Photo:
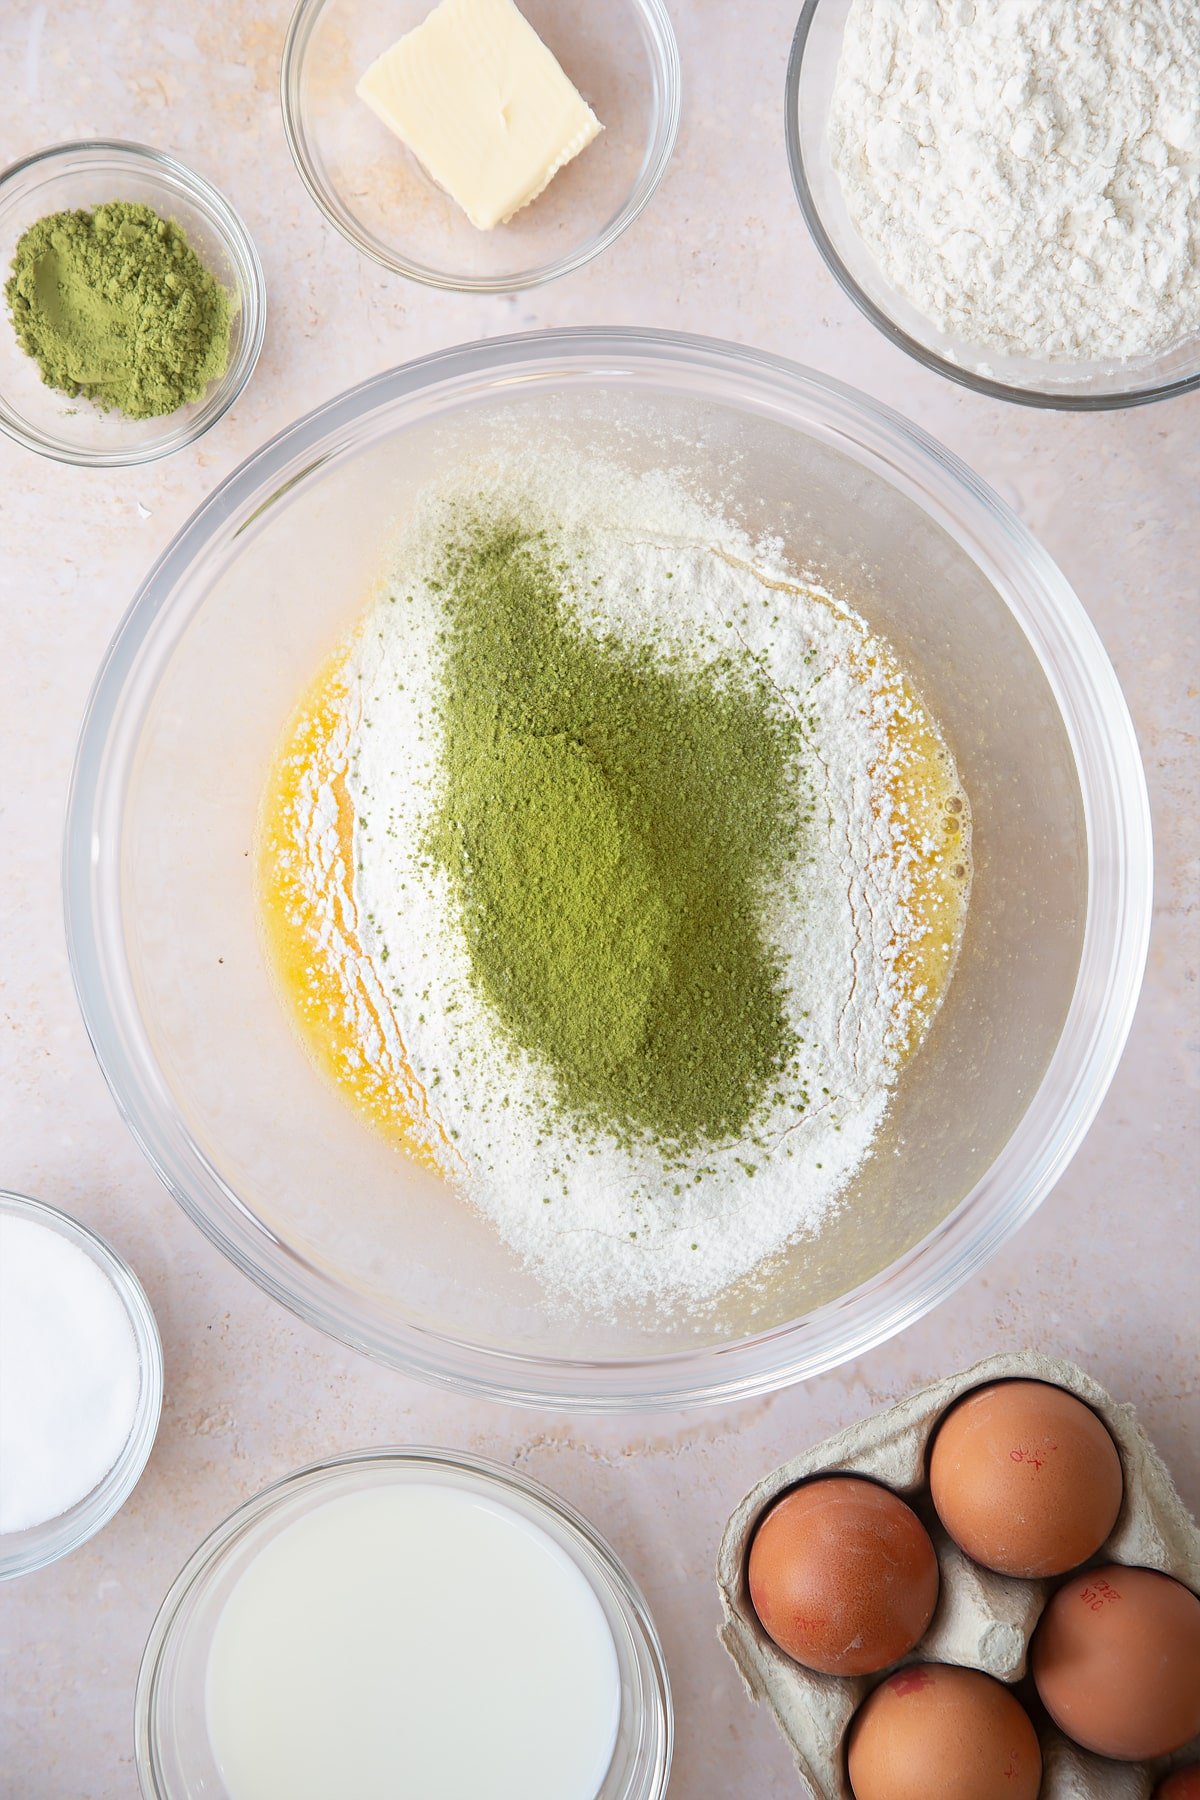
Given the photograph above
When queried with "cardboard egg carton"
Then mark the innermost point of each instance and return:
(983, 1621)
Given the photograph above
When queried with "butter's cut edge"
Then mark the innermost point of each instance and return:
(587, 134)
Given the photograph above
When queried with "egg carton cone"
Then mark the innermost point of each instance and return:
(983, 1621)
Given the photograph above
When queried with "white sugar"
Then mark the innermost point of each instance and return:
(69, 1374)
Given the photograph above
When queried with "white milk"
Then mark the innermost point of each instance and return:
(412, 1642)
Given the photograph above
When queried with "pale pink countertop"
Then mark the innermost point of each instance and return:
(1107, 1274)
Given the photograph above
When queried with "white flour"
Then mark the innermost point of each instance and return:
(598, 1220)
(1027, 172)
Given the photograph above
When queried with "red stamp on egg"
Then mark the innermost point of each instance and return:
(911, 1681)
(1032, 1459)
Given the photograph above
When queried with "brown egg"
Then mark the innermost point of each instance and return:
(1025, 1478)
(936, 1733)
(1182, 1784)
(1116, 1660)
(843, 1576)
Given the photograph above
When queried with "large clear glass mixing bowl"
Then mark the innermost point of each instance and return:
(272, 571)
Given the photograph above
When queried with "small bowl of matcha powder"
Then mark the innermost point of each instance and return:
(134, 304)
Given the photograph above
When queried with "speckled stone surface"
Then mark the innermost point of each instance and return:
(1106, 1275)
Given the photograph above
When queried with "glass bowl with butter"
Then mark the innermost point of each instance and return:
(474, 145)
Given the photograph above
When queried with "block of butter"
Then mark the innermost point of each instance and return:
(483, 104)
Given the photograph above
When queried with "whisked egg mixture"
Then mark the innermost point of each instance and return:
(613, 869)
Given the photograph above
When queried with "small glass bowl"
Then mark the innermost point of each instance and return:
(172, 1749)
(1031, 381)
(23, 1551)
(70, 177)
(621, 55)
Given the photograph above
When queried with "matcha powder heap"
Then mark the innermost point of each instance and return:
(115, 305)
(613, 820)
(623, 921)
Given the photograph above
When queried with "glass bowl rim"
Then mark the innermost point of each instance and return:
(1113, 953)
(668, 68)
(1046, 398)
(627, 1595)
(53, 1538)
(231, 228)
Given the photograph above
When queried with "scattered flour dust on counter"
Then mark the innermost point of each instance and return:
(1028, 174)
(652, 1047)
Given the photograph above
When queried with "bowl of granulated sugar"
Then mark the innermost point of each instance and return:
(81, 1381)
(1011, 198)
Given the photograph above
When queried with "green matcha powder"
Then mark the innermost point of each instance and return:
(614, 819)
(116, 306)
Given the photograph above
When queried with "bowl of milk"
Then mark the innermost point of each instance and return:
(404, 1620)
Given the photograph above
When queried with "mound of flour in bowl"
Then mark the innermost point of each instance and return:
(607, 1215)
(1028, 174)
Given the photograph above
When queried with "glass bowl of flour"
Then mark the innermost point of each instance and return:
(1013, 200)
(789, 518)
